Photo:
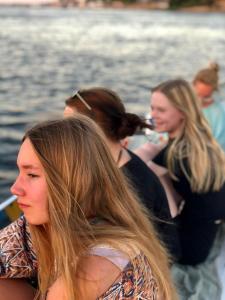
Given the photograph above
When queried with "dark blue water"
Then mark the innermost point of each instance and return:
(46, 54)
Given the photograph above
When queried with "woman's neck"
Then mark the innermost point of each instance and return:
(207, 102)
(119, 154)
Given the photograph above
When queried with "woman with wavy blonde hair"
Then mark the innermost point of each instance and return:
(196, 165)
(91, 234)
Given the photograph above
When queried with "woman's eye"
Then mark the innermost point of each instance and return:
(32, 175)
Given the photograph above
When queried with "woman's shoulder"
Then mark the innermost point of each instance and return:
(160, 157)
(146, 182)
(110, 273)
(102, 267)
(137, 270)
(141, 172)
(93, 277)
(137, 167)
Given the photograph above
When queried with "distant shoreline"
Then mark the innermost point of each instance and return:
(192, 9)
(116, 5)
(162, 7)
(203, 9)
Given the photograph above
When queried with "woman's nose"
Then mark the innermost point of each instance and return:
(152, 113)
(17, 189)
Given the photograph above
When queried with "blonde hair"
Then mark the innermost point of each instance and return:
(205, 169)
(209, 76)
(83, 181)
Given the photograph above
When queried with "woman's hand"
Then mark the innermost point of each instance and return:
(148, 151)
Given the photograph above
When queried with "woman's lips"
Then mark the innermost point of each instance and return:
(158, 124)
(22, 205)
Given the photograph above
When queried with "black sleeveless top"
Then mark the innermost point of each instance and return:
(200, 217)
(152, 193)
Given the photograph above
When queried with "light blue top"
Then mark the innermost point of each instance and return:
(215, 115)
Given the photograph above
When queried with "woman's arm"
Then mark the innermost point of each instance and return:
(174, 199)
(16, 289)
(148, 151)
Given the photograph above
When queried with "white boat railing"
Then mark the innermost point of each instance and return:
(7, 202)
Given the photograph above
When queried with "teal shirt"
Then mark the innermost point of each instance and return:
(215, 115)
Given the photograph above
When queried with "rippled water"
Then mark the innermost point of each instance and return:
(46, 54)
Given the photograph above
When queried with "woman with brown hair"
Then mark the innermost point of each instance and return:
(106, 108)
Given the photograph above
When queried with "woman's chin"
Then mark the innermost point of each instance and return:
(159, 129)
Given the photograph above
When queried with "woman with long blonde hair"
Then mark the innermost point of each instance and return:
(196, 165)
(91, 235)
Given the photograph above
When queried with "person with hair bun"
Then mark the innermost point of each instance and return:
(106, 108)
(206, 82)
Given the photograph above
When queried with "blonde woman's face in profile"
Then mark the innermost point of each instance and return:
(166, 117)
(30, 186)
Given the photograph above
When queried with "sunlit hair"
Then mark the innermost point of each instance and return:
(108, 111)
(84, 182)
(209, 76)
(195, 143)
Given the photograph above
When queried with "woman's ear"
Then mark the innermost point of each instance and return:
(182, 115)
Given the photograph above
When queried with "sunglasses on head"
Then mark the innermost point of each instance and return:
(77, 95)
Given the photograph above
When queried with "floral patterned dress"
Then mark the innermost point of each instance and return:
(18, 260)
(136, 282)
(17, 257)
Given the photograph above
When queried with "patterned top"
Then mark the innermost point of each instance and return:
(18, 260)
(136, 283)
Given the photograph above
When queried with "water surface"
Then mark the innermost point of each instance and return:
(47, 54)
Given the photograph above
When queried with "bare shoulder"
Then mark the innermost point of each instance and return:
(95, 275)
(57, 291)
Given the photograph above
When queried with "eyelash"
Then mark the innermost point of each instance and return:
(159, 110)
(32, 175)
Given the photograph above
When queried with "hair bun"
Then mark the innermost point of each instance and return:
(209, 75)
(214, 66)
(130, 123)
